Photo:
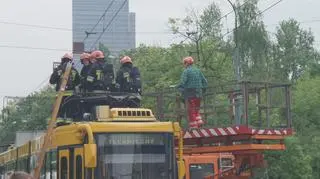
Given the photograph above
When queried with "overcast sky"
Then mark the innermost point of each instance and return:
(23, 70)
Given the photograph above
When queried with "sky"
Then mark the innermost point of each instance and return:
(25, 70)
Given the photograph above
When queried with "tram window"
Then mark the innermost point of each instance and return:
(53, 164)
(11, 166)
(64, 168)
(79, 167)
(1, 171)
(48, 161)
(32, 162)
(22, 164)
(43, 170)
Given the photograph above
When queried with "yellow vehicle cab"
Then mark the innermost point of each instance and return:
(119, 143)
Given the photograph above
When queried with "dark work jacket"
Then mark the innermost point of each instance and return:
(84, 73)
(56, 77)
(128, 79)
(100, 76)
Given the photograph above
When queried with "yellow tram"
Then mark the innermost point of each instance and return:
(120, 143)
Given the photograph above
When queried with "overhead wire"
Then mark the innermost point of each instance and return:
(40, 48)
(44, 82)
(307, 21)
(217, 21)
(230, 12)
(32, 48)
(106, 27)
(268, 8)
(67, 29)
(265, 10)
(101, 17)
(35, 26)
(46, 79)
(38, 26)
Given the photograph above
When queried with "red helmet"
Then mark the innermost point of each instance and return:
(97, 54)
(85, 56)
(67, 55)
(125, 59)
(188, 60)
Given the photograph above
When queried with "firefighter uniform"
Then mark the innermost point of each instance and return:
(56, 76)
(85, 60)
(73, 81)
(128, 79)
(100, 75)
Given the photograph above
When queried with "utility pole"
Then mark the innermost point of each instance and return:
(237, 67)
(196, 40)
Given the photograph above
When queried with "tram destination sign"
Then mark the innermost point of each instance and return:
(135, 139)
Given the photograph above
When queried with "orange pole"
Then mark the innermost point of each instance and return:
(52, 122)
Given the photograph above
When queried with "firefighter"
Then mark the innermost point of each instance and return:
(85, 61)
(128, 81)
(192, 84)
(100, 75)
(56, 76)
(128, 77)
(73, 81)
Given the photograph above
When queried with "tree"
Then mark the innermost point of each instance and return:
(253, 42)
(292, 163)
(294, 49)
(212, 54)
(306, 105)
(104, 49)
(314, 67)
(30, 113)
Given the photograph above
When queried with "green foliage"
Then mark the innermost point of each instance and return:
(292, 163)
(290, 57)
(30, 113)
(306, 105)
(253, 42)
(209, 21)
(294, 50)
(104, 49)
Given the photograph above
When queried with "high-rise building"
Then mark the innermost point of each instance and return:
(109, 19)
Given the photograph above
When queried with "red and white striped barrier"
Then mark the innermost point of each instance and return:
(271, 131)
(233, 131)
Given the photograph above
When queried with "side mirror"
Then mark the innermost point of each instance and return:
(181, 169)
(90, 155)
